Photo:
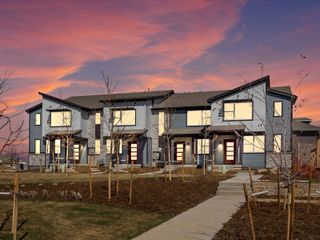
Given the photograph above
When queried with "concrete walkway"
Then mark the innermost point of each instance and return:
(205, 220)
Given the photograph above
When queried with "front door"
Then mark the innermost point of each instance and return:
(133, 152)
(230, 151)
(179, 151)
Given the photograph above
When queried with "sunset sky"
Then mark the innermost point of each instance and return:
(61, 47)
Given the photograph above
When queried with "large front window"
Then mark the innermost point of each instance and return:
(57, 146)
(124, 117)
(203, 146)
(237, 111)
(253, 144)
(110, 146)
(198, 117)
(61, 119)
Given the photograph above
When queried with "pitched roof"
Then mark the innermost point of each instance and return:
(299, 125)
(96, 101)
(185, 131)
(34, 107)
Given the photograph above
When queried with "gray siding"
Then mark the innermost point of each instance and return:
(35, 132)
(253, 160)
(179, 118)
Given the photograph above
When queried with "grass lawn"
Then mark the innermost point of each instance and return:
(71, 220)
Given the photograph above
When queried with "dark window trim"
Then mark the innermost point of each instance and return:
(274, 104)
(135, 116)
(238, 101)
(35, 119)
(61, 125)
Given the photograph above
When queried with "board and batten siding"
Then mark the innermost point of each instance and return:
(35, 132)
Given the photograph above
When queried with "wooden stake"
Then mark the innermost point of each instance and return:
(109, 180)
(193, 170)
(118, 177)
(252, 189)
(131, 183)
(289, 214)
(309, 191)
(293, 193)
(253, 235)
(182, 171)
(90, 179)
(15, 206)
(278, 191)
(204, 165)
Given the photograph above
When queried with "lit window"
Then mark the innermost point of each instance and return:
(253, 144)
(237, 111)
(57, 146)
(133, 151)
(98, 118)
(61, 119)
(97, 146)
(76, 151)
(37, 119)
(124, 117)
(109, 143)
(277, 143)
(37, 146)
(47, 146)
(198, 117)
(203, 146)
(161, 123)
(277, 109)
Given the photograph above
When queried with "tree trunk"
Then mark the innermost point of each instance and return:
(118, 177)
(169, 162)
(90, 179)
(109, 180)
(131, 183)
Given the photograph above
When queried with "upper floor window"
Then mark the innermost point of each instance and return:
(237, 111)
(277, 109)
(198, 117)
(253, 144)
(37, 119)
(124, 117)
(98, 118)
(47, 146)
(277, 143)
(37, 146)
(61, 119)
(97, 146)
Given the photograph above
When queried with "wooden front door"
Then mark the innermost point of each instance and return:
(179, 151)
(133, 152)
(230, 151)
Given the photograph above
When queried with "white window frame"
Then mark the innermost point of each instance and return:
(204, 117)
(233, 110)
(203, 146)
(37, 146)
(279, 112)
(37, 119)
(277, 143)
(57, 146)
(255, 142)
(98, 118)
(64, 122)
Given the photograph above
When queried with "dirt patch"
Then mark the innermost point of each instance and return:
(149, 194)
(268, 225)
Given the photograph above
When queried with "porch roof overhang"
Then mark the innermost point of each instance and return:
(131, 132)
(185, 131)
(63, 132)
(224, 129)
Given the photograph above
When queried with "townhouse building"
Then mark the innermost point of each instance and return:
(248, 126)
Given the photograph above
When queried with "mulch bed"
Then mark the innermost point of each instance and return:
(149, 194)
(268, 225)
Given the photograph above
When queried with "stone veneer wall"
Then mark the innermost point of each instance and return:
(36, 159)
(272, 157)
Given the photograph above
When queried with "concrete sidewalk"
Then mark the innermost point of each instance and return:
(203, 221)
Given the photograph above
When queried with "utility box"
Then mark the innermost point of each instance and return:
(22, 166)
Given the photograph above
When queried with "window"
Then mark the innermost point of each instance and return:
(124, 117)
(110, 142)
(97, 146)
(203, 146)
(161, 123)
(57, 146)
(37, 146)
(47, 146)
(198, 117)
(61, 119)
(253, 144)
(237, 111)
(98, 118)
(277, 109)
(37, 119)
(277, 143)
